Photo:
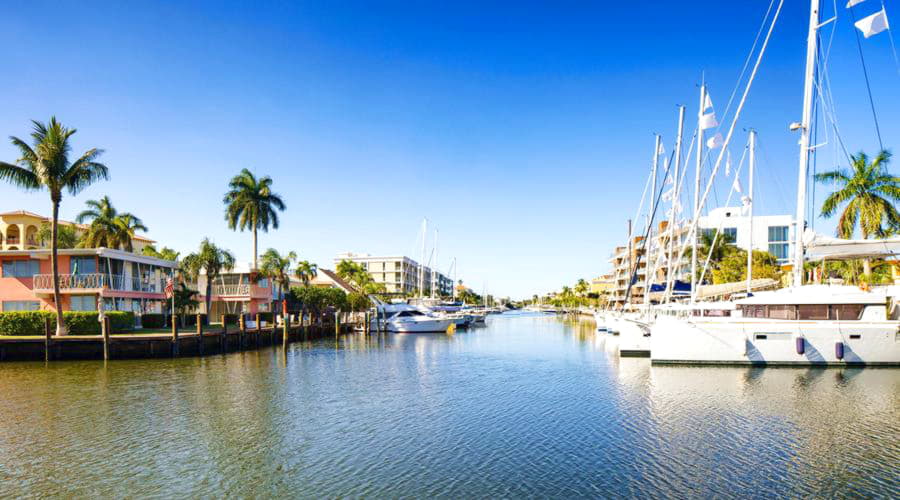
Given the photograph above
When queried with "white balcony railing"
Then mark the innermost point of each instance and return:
(231, 290)
(96, 281)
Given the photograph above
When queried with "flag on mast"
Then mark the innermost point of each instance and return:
(874, 24)
(736, 185)
(851, 3)
(708, 120)
(715, 141)
(707, 102)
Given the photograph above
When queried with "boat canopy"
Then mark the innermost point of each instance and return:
(819, 247)
(817, 294)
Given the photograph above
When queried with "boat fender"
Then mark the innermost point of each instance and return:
(839, 350)
(801, 345)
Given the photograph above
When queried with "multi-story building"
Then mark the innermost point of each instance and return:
(237, 291)
(400, 274)
(602, 284)
(125, 281)
(772, 233)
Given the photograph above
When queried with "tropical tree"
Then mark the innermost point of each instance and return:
(733, 267)
(108, 228)
(581, 288)
(165, 253)
(211, 259)
(354, 273)
(251, 204)
(66, 236)
(45, 164)
(869, 195)
(306, 271)
(277, 267)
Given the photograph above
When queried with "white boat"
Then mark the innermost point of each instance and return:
(806, 325)
(634, 335)
(405, 318)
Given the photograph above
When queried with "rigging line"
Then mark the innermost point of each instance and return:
(891, 38)
(866, 75)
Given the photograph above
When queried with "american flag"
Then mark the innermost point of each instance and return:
(170, 287)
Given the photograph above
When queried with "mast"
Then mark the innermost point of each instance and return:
(675, 197)
(422, 262)
(697, 194)
(434, 274)
(805, 129)
(752, 202)
(648, 244)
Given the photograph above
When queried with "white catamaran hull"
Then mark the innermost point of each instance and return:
(774, 342)
(634, 339)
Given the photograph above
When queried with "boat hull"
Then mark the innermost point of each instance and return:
(427, 326)
(634, 339)
(751, 341)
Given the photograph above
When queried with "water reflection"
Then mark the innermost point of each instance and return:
(528, 406)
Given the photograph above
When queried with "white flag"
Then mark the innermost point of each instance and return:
(708, 121)
(727, 163)
(736, 185)
(851, 3)
(707, 102)
(715, 141)
(874, 24)
(662, 149)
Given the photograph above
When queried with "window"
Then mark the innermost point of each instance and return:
(83, 265)
(83, 303)
(21, 268)
(779, 240)
(730, 234)
(263, 283)
(813, 311)
(778, 233)
(20, 305)
(782, 312)
(846, 312)
(779, 250)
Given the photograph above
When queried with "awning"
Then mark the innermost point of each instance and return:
(819, 247)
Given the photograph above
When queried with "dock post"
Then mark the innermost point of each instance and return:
(223, 337)
(105, 326)
(337, 323)
(47, 333)
(174, 335)
(199, 335)
(242, 329)
(258, 330)
(366, 326)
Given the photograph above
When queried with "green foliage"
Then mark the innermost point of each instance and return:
(358, 302)
(165, 254)
(185, 299)
(209, 258)
(306, 271)
(153, 320)
(318, 299)
(733, 267)
(278, 267)
(108, 228)
(66, 237)
(467, 296)
(79, 322)
(251, 204)
(869, 193)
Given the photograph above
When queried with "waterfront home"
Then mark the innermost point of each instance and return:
(239, 290)
(126, 281)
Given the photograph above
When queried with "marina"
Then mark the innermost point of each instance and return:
(531, 405)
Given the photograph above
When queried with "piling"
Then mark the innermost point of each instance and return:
(174, 335)
(47, 340)
(199, 335)
(223, 337)
(337, 323)
(242, 329)
(258, 329)
(286, 327)
(105, 326)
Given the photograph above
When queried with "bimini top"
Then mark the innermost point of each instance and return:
(816, 294)
(819, 247)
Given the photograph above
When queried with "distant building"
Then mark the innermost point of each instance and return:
(602, 284)
(400, 274)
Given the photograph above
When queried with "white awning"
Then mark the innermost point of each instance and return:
(819, 247)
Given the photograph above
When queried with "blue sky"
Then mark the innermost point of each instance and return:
(523, 131)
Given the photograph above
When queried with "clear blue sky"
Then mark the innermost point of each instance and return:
(523, 131)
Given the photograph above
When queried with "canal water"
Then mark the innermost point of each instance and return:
(527, 406)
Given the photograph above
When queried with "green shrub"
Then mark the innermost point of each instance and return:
(77, 322)
(153, 320)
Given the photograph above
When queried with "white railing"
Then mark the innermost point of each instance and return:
(231, 290)
(94, 281)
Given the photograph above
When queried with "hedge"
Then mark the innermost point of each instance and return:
(77, 322)
(162, 320)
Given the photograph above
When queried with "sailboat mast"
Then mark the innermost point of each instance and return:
(752, 202)
(697, 193)
(805, 132)
(647, 244)
(434, 266)
(673, 220)
(422, 262)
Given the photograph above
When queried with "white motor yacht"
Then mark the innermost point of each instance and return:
(405, 318)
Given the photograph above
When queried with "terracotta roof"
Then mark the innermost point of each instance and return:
(80, 226)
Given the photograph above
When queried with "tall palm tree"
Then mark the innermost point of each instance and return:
(108, 228)
(165, 253)
(581, 288)
(277, 267)
(251, 204)
(46, 164)
(213, 260)
(870, 194)
(66, 237)
(306, 271)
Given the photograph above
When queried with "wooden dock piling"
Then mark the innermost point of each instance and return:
(242, 329)
(174, 335)
(199, 335)
(47, 340)
(105, 326)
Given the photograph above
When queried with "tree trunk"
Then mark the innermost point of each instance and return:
(255, 253)
(867, 267)
(209, 301)
(54, 269)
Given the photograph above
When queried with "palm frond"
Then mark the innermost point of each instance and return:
(19, 177)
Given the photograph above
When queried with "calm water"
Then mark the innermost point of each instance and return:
(528, 406)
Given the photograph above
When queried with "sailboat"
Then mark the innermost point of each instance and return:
(804, 324)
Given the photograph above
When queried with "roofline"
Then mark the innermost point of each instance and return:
(61, 221)
(42, 253)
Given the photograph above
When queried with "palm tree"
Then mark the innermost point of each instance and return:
(870, 194)
(213, 260)
(108, 228)
(251, 204)
(581, 288)
(306, 271)
(66, 237)
(165, 253)
(46, 164)
(277, 267)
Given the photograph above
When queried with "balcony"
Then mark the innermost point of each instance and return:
(43, 283)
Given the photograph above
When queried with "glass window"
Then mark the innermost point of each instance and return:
(846, 312)
(83, 265)
(20, 305)
(782, 312)
(730, 233)
(778, 233)
(263, 283)
(813, 311)
(21, 268)
(83, 303)
(779, 250)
